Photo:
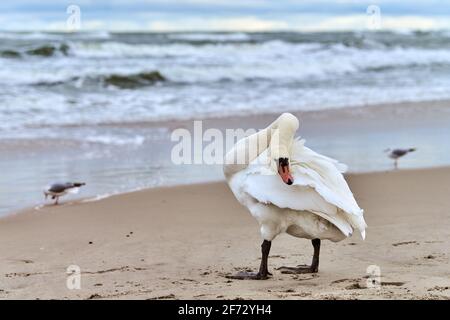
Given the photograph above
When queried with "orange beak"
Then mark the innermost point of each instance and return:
(283, 171)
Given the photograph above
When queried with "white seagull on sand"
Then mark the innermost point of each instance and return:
(288, 188)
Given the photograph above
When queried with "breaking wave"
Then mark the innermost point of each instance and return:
(50, 79)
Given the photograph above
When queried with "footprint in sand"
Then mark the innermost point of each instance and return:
(169, 296)
(355, 286)
(302, 278)
(392, 283)
(404, 243)
(340, 281)
(26, 261)
(23, 274)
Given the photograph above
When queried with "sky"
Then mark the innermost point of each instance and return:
(224, 15)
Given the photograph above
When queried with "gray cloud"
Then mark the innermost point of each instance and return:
(41, 14)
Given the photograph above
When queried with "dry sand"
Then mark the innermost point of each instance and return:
(181, 242)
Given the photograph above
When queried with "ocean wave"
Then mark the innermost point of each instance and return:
(100, 35)
(134, 80)
(121, 81)
(93, 35)
(261, 52)
(49, 50)
(10, 54)
(46, 50)
(181, 64)
(211, 37)
(30, 36)
(170, 78)
(114, 49)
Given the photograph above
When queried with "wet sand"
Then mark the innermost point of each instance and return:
(182, 242)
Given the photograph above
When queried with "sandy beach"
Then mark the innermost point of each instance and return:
(126, 110)
(181, 242)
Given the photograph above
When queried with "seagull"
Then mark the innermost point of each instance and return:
(57, 190)
(398, 153)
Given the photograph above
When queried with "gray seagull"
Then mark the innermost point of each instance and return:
(57, 190)
(398, 153)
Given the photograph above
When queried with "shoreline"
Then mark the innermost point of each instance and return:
(121, 245)
(355, 136)
(367, 109)
(91, 199)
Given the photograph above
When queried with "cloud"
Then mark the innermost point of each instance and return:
(359, 22)
(224, 15)
(249, 24)
(415, 22)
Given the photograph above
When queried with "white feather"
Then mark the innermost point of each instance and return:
(319, 187)
(319, 204)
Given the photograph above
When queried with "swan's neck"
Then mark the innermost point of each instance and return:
(245, 151)
(278, 136)
(280, 143)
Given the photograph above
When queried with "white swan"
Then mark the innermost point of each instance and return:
(311, 200)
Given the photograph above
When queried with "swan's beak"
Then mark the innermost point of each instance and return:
(283, 171)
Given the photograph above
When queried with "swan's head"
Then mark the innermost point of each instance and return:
(284, 171)
(281, 142)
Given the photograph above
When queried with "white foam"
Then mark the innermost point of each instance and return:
(116, 140)
(98, 197)
(212, 80)
(211, 36)
(29, 36)
(54, 36)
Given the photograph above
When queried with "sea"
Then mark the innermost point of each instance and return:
(100, 107)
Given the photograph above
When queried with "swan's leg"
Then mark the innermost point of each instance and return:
(313, 268)
(263, 272)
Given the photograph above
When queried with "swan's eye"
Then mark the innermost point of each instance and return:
(283, 162)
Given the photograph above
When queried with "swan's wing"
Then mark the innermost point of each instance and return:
(324, 175)
(302, 153)
(319, 187)
(270, 189)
